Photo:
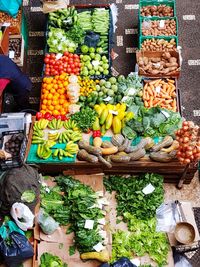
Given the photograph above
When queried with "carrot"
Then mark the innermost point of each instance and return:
(149, 90)
(144, 95)
(146, 104)
(151, 101)
(173, 94)
(174, 105)
(165, 96)
(157, 83)
(164, 87)
(145, 87)
(147, 95)
(153, 82)
(168, 101)
(171, 81)
(159, 102)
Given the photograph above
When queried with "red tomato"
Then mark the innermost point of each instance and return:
(66, 53)
(46, 60)
(39, 116)
(47, 56)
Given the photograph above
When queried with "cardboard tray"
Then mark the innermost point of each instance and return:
(19, 60)
(149, 54)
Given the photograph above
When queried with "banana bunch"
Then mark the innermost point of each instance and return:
(53, 136)
(69, 151)
(71, 125)
(43, 151)
(55, 124)
(40, 125)
(69, 135)
(71, 148)
(113, 116)
(60, 153)
(37, 140)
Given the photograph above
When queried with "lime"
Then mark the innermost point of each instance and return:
(84, 49)
(98, 87)
(100, 94)
(105, 66)
(114, 87)
(99, 50)
(98, 72)
(92, 55)
(106, 72)
(112, 80)
(104, 59)
(89, 99)
(102, 82)
(108, 85)
(91, 49)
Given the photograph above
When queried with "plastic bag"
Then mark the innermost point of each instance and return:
(46, 222)
(51, 6)
(22, 215)
(14, 246)
(91, 39)
(17, 250)
(10, 7)
(167, 217)
(180, 260)
(123, 262)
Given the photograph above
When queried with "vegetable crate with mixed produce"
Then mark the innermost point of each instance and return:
(86, 30)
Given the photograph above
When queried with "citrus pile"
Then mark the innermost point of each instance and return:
(54, 97)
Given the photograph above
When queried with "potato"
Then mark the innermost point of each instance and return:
(161, 11)
(173, 60)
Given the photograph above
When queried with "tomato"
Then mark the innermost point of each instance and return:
(64, 118)
(69, 70)
(46, 60)
(47, 115)
(47, 55)
(52, 55)
(39, 116)
(66, 53)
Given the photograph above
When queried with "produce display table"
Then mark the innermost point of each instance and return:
(173, 171)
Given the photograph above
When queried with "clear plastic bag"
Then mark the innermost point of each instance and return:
(167, 217)
(46, 222)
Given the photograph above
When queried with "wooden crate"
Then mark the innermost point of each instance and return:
(4, 42)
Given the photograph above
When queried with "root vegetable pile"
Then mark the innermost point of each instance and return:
(160, 11)
(189, 143)
(158, 45)
(159, 27)
(160, 93)
(166, 64)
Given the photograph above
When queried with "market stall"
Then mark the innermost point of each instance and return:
(104, 145)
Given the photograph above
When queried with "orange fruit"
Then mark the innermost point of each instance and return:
(58, 107)
(65, 83)
(49, 86)
(55, 102)
(44, 101)
(60, 86)
(43, 106)
(66, 105)
(62, 112)
(51, 108)
(62, 97)
(55, 112)
(62, 76)
(52, 91)
(61, 91)
(49, 102)
(50, 96)
(55, 86)
(61, 101)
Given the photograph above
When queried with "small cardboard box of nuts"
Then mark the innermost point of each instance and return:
(16, 49)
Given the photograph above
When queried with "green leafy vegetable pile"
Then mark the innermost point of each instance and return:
(78, 203)
(53, 204)
(142, 239)
(85, 118)
(82, 201)
(131, 87)
(49, 260)
(130, 197)
(154, 122)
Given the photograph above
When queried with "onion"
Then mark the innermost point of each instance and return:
(185, 123)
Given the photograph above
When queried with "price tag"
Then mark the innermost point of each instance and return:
(148, 189)
(158, 89)
(165, 114)
(6, 24)
(89, 224)
(58, 56)
(107, 99)
(98, 247)
(11, 54)
(113, 112)
(162, 24)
